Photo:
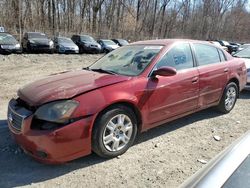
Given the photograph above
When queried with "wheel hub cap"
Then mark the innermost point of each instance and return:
(117, 132)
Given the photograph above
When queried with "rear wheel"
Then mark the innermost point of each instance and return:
(114, 132)
(229, 98)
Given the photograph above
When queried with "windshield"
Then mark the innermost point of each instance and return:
(37, 35)
(7, 39)
(109, 42)
(65, 40)
(128, 60)
(123, 42)
(245, 53)
(87, 38)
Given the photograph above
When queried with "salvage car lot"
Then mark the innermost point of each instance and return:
(171, 151)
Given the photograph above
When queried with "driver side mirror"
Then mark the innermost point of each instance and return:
(165, 71)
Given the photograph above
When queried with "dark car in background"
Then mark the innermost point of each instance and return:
(86, 44)
(8, 44)
(107, 45)
(231, 48)
(120, 42)
(65, 45)
(37, 42)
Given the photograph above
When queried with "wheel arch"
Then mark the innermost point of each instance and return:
(128, 104)
(236, 81)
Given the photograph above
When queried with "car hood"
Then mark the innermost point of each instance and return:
(247, 62)
(40, 40)
(65, 44)
(65, 86)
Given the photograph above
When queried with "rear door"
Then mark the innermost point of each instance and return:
(174, 95)
(213, 73)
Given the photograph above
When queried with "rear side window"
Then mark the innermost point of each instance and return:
(206, 54)
(222, 56)
(179, 57)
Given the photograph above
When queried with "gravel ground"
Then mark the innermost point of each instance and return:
(162, 157)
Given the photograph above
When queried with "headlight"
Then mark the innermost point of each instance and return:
(51, 43)
(99, 46)
(17, 46)
(57, 112)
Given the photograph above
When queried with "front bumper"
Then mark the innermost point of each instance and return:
(40, 48)
(68, 50)
(9, 51)
(54, 146)
(92, 49)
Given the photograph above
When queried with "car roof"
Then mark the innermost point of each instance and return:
(165, 42)
(35, 32)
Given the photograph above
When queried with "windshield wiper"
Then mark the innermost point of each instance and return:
(103, 71)
(86, 68)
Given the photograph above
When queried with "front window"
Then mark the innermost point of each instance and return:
(108, 42)
(7, 39)
(128, 60)
(86, 38)
(179, 57)
(206, 54)
(245, 53)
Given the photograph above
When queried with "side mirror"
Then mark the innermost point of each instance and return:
(164, 71)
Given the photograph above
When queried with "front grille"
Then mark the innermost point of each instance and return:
(16, 115)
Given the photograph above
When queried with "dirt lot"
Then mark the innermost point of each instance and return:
(162, 157)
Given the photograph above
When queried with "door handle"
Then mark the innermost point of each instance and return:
(226, 70)
(195, 80)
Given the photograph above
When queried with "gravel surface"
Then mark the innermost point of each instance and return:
(162, 157)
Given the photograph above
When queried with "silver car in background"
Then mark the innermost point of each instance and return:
(245, 54)
(230, 169)
(65, 45)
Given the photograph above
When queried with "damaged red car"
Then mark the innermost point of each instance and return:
(130, 90)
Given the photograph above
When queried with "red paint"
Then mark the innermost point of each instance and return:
(158, 100)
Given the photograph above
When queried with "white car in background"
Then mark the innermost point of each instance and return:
(245, 54)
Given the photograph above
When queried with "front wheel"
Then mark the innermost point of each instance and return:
(114, 132)
(229, 98)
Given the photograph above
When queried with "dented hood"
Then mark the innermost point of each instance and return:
(65, 86)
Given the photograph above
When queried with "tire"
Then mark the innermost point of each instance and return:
(117, 139)
(228, 98)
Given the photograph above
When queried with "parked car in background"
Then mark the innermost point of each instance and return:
(65, 45)
(231, 48)
(37, 42)
(8, 44)
(219, 45)
(86, 44)
(229, 169)
(243, 46)
(120, 42)
(132, 89)
(107, 45)
(245, 55)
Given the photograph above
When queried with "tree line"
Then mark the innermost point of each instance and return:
(130, 19)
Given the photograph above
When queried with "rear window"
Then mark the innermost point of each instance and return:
(206, 54)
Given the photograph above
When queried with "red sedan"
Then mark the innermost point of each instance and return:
(130, 90)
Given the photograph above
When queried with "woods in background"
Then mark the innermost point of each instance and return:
(130, 19)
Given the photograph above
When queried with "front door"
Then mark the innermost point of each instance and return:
(173, 95)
